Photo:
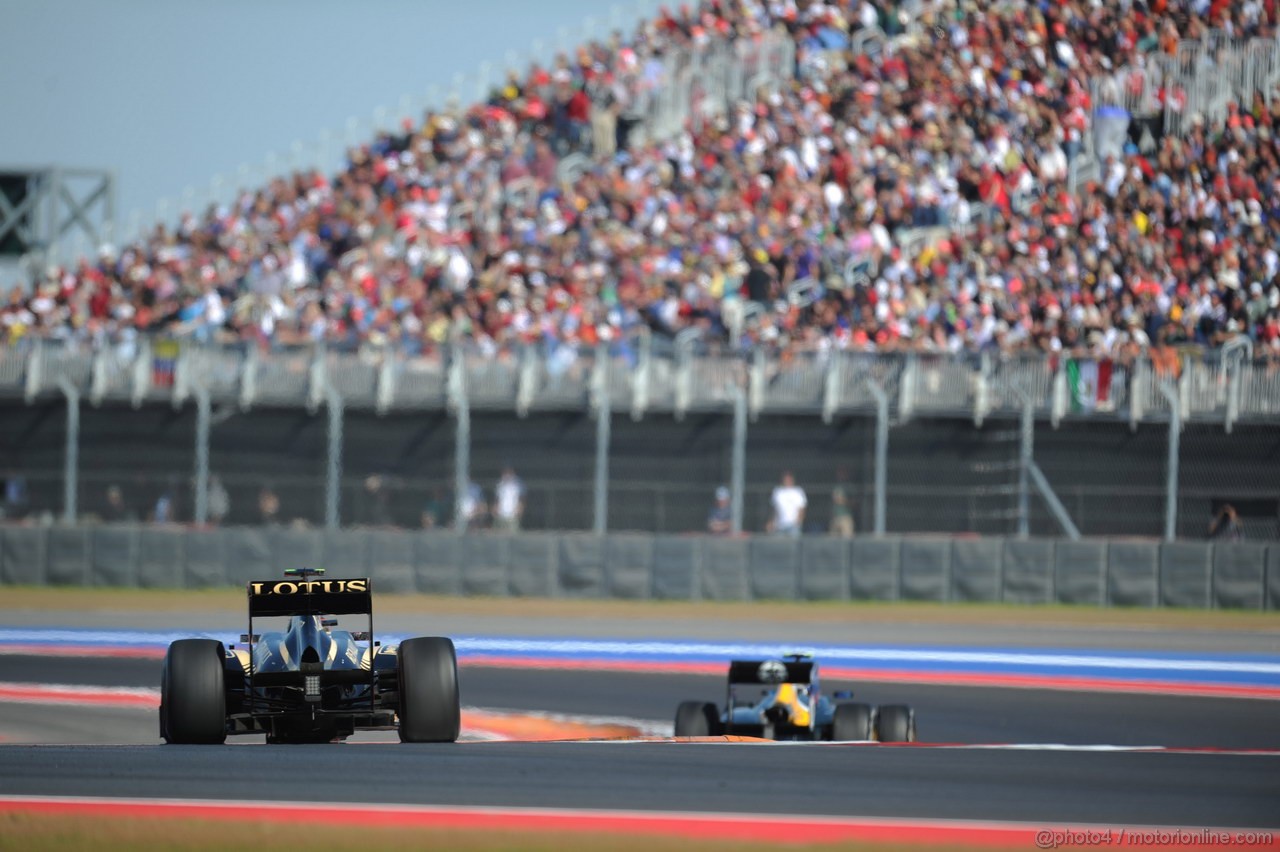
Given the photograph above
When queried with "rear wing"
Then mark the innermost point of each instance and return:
(310, 597)
(772, 671)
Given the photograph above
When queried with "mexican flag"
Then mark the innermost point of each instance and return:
(1090, 384)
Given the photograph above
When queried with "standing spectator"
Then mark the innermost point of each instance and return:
(508, 502)
(760, 279)
(116, 511)
(219, 501)
(433, 513)
(789, 503)
(1225, 525)
(163, 511)
(720, 518)
(841, 513)
(604, 116)
(376, 506)
(15, 497)
(268, 507)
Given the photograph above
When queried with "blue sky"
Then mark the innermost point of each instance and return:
(170, 94)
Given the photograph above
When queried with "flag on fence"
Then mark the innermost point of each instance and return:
(1090, 384)
(164, 363)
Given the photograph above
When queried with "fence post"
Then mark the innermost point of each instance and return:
(1183, 388)
(249, 378)
(684, 373)
(601, 513)
(1055, 505)
(527, 381)
(1060, 396)
(386, 388)
(831, 387)
(882, 453)
(317, 379)
(1138, 392)
(907, 389)
(1233, 398)
(1242, 347)
(35, 372)
(182, 379)
(603, 409)
(640, 376)
(756, 388)
(462, 436)
(333, 473)
(739, 459)
(982, 391)
(72, 455)
(202, 455)
(1172, 394)
(1026, 458)
(98, 379)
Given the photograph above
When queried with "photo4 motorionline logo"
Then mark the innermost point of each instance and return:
(1055, 838)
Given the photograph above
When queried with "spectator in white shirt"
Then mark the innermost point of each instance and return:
(508, 497)
(789, 503)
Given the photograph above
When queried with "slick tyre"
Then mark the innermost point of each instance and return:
(851, 722)
(428, 673)
(697, 719)
(895, 723)
(193, 697)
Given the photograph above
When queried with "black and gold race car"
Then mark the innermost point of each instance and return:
(309, 682)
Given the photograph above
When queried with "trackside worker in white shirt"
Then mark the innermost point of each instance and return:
(789, 503)
(508, 502)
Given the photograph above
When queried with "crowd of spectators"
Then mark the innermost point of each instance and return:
(969, 117)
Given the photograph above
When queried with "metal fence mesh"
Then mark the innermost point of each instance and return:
(944, 474)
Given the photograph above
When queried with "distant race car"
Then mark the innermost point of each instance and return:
(312, 682)
(792, 706)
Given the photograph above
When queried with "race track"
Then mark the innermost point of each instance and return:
(946, 714)
(1030, 756)
(1035, 786)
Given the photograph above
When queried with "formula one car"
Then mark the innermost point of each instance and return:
(792, 706)
(311, 682)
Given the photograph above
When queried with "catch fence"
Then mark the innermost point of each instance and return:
(638, 434)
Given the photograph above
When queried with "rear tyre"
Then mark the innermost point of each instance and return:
(193, 696)
(895, 723)
(428, 674)
(851, 722)
(697, 719)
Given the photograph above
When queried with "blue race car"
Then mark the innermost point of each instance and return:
(790, 705)
(310, 682)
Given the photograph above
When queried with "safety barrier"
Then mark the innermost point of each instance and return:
(645, 373)
(1094, 572)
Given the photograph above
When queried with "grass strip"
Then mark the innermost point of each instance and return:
(882, 612)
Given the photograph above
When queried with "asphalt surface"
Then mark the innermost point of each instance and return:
(1049, 787)
(944, 714)
(77, 754)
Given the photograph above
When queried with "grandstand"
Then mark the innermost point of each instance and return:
(906, 225)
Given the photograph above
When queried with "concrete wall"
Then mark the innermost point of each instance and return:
(1096, 572)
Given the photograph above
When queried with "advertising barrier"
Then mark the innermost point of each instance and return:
(634, 566)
